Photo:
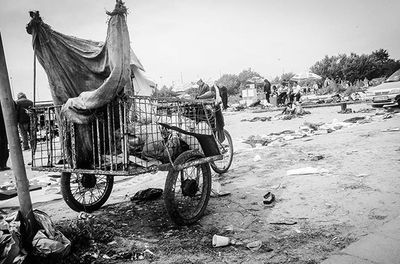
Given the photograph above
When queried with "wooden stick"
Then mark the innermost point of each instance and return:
(18, 166)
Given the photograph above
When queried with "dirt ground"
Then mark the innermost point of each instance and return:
(356, 191)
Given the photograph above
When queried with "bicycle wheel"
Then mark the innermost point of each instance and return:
(187, 191)
(226, 149)
(85, 192)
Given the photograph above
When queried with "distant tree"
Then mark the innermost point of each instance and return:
(285, 77)
(234, 82)
(231, 82)
(275, 80)
(246, 75)
(384, 66)
(355, 67)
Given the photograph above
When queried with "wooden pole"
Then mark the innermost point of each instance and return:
(18, 166)
(34, 78)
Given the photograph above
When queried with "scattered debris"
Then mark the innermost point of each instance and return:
(8, 192)
(315, 157)
(387, 116)
(346, 111)
(354, 119)
(396, 129)
(257, 118)
(257, 158)
(147, 194)
(85, 216)
(222, 241)
(269, 198)
(255, 245)
(284, 223)
(306, 170)
(46, 242)
(216, 190)
(365, 110)
(313, 126)
(228, 228)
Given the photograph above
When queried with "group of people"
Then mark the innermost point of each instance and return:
(285, 93)
(22, 106)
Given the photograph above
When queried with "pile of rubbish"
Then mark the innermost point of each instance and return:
(49, 184)
(308, 129)
(47, 241)
(289, 112)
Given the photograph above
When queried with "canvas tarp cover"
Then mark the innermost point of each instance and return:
(85, 75)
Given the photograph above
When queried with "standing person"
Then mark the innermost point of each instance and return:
(315, 87)
(290, 94)
(224, 96)
(22, 105)
(282, 94)
(205, 92)
(267, 89)
(297, 92)
(3, 144)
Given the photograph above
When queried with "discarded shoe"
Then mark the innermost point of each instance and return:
(147, 194)
(269, 198)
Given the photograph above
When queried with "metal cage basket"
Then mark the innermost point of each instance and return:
(128, 136)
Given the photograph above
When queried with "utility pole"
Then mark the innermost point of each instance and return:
(28, 223)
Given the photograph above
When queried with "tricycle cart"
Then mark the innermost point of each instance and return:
(132, 136)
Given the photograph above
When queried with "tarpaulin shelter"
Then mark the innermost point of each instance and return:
(85, 75)
(305, 76)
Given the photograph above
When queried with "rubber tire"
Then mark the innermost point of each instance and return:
(76, 205)
(230, 142)
(172, 177)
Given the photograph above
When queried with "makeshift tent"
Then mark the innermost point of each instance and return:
(85, 75)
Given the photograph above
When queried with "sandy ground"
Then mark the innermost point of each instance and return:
(358, 191)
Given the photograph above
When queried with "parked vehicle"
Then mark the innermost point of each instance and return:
(387, 93)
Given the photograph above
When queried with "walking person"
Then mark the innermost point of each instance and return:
(3, 144)
(23, 104)
(267, 89)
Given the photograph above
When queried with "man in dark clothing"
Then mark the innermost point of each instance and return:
(224, 96)
(3, 144)
(267, 89)
(22, 105)
(207, 92)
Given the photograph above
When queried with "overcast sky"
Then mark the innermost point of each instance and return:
(183, 40)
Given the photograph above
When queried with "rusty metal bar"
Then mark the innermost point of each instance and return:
(104, 137)
(50, 137)
(164, 167)
(73, 142)
(98, 142)
(133, 172)
(93, 135)
(114, 136)
(126, 147)
(121, 131)
(110, 136)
